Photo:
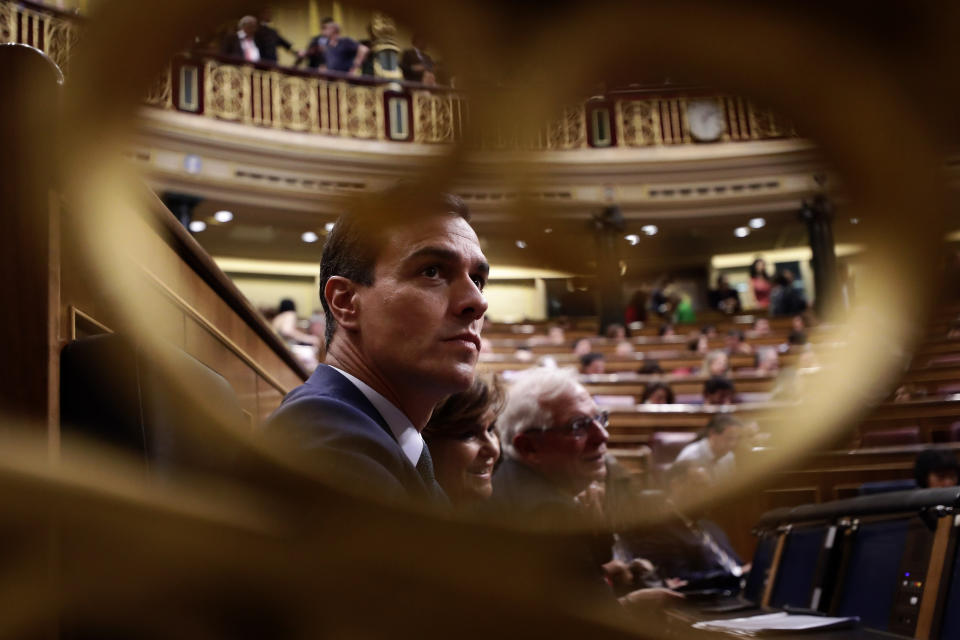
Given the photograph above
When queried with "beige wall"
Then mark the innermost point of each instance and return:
(514, 293)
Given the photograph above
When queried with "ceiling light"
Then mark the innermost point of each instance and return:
(854, 220)
(223, 216)
(741, 232)
(309, 236)
(757, 223)
(548, 230)
(632, 238)
(197, 226)
(328, 227)
(521, 244)
(649, 229)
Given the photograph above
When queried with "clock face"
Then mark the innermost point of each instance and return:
(705, 119)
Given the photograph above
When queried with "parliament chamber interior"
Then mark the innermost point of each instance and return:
(456, 320)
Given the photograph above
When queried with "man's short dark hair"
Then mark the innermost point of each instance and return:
(589, 358)
(797, 338)
(736, 333)
(717, 383)
(933, 461)
(719, 423)
(359, 235)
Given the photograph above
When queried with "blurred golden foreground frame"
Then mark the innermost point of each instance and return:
(310, 560)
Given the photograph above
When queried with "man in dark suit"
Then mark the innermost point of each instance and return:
(687, 546)
(401, 282)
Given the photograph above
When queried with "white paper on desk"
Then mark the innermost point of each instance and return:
(773, 622)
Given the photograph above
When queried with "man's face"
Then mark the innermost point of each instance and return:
(724, 442)
(571, 460)
(330, 29)
(717, 398)
(942, 479)
(419, 322)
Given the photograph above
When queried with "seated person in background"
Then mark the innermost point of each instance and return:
(582, 346)
(464, 443)
(401, 282)
(698, 343)
(555, 336)
(554, 441)
(761, 327)
(708, 330)
(666, 331)
(797, 323)
(767, 361)
(714, 450)
(716, 363)
(735, 344)
(909, 391)
(593, 363)
(650, 367)
(718, 390)
(285, 323)
(523, 354)
(796, 339)
(616, 332)
(657, 393)
(724, 298)
(936, 469)
(687, 546)
(624, 348)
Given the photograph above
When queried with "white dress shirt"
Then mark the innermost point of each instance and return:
(701, 453)
(411, 442)
(251, 51)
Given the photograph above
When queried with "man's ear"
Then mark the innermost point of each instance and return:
(342, 299)
(525, 445)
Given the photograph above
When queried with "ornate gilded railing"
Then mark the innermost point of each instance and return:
(49, 30)
(374, 109)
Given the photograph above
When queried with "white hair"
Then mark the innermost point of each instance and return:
(526, 397)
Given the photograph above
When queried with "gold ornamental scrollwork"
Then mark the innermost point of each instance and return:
(639, 123)
(8, 24)
(296, 103)
(160, 93)
(60, 37)
(359, 111)
(225, 87)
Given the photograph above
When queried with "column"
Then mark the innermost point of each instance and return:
(818, 216)
(608, 229)
(181, 205)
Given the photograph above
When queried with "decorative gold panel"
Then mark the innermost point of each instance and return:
(639, 122)
(361, 109)
(8, 24)
(60, 36)
(295, 103)
(160, 93)
(225, 87)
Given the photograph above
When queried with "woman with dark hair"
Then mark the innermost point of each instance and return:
(463, 442)
(657, 393)
(760, 283)
(285, 323)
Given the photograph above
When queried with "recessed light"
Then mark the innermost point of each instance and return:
(741, 232)
(650, 229)
(521, 244)
(854, 220)
(632, 238)
(223, 216)
(197, 226)
(328, 227)
(757, 223)
(309, 236)
(548, 230)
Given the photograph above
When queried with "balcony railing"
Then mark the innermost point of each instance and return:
(366, 108)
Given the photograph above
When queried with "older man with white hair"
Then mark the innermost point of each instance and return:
(554, 440)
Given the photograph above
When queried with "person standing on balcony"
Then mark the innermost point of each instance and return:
(343, 54)
(242, 44)
(417, 65)
(268, 39)
(316, 47)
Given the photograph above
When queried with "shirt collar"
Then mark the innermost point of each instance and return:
(411, 442)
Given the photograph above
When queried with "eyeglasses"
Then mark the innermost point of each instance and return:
(580, 427)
